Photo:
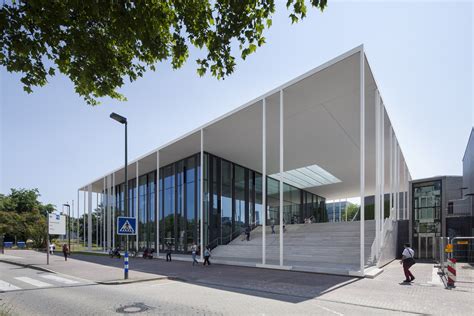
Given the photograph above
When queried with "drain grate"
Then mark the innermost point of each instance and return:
(133, 308)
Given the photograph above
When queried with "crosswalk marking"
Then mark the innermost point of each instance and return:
(34, 282)
(59, 279)
(5, 286)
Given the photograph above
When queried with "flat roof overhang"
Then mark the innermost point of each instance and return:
(321, 126)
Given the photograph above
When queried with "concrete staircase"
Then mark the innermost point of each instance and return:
(318, 247)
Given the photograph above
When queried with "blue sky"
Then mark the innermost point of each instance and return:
(420, 52)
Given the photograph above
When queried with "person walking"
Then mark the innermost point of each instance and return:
(407, 261)
(273, 226)
(194, 253)
(207, 255)
(168, 252)
(247, 232)
(65, 251)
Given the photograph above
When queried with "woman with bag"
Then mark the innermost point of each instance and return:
(408, 260)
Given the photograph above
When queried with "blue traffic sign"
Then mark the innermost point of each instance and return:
(126, 225)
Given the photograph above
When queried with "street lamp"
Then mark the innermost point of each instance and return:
(68, 225)
(123, 120)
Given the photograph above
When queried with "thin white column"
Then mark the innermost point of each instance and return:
(405, 189)
(333, 211)
(391, 169)
(201, 184)
(264, 180)
(281, 177)
(362, 160)
(97, 220)
(109, 212)
(136, 207)
(84, 227)
(103, 217)
(377, 173)
(340, 209)
(89, 218)
(78, 219)
(157, 208)
(345, 210)
(397, 177)
(382, 176)
(114, 207)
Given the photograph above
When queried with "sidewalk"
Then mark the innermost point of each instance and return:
(98, 273)
(386, 292)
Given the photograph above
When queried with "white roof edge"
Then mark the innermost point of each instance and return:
(383, 103)
(309, 73)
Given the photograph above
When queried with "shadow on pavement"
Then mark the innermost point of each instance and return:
(288, 286)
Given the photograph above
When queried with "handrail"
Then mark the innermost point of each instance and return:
(357, 213)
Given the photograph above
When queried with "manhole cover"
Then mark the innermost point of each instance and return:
(133, 308)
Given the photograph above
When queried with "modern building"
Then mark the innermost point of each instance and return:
(268, 165)
(442, 206)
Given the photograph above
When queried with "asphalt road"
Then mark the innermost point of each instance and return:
(24, 291)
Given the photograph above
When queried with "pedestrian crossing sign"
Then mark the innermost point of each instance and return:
(126, 225)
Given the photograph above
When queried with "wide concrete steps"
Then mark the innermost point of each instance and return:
(319, 246)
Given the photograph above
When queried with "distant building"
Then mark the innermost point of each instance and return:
(336, 211)
(442, 206)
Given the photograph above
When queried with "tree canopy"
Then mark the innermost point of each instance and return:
(99, 43)
(23, 217)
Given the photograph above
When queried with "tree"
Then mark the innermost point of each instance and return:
(351, 210)
(23, 217)
(98, 43)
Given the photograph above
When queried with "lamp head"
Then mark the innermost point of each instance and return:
(118, 118)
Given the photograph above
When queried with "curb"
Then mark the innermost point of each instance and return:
(120, 282)
(25, 265)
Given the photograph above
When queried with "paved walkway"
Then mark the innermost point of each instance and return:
(75, 266)
(427, 295)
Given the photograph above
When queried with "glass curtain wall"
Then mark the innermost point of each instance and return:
(232, 201)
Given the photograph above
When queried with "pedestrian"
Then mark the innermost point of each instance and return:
(207, 255)
(407, 261)
(65, 251)
(273, 226)
(194, 252)
(168, 252)
(247, 232)
(51, 249)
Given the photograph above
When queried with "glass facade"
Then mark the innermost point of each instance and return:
(426, 217)
(232, 201)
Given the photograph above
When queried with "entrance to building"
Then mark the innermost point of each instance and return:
(426, 246)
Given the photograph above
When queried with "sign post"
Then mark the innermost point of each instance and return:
(47, 243)
(126, 226)
(56, 226)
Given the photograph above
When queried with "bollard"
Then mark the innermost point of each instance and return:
(125, 265)
(451, 272)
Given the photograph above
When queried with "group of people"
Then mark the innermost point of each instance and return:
(195, 250)
(272, 225)
(65, 250)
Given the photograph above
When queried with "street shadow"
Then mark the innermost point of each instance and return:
(287, 286)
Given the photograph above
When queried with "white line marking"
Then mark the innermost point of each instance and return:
(5, 286)
(59, 279)
(34, 282)
(329, 310)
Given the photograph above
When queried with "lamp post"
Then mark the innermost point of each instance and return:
(123, 120)
(68, 225)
